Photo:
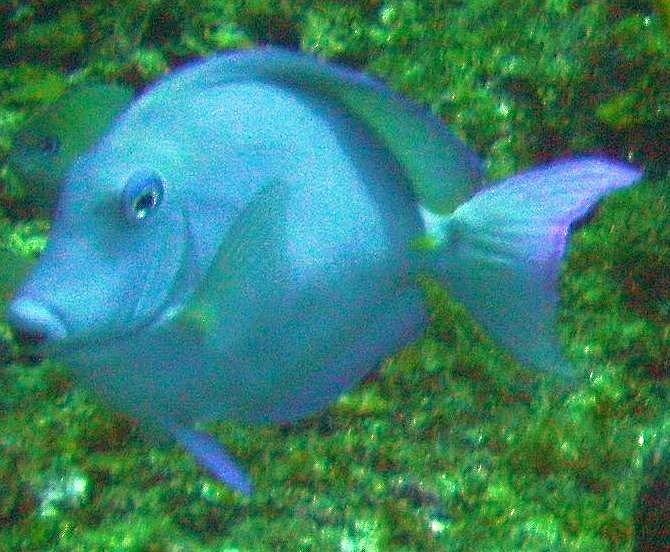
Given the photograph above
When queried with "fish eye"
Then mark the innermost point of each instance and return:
(44, 144)
(49, 144)
(142, 195)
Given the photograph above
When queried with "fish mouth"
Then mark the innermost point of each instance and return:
(35, 323)
(183, 285)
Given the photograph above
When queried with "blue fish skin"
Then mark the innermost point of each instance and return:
(241, 245)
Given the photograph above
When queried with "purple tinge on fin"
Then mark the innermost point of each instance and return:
(213, 457)
(563, 193)
(506, 245)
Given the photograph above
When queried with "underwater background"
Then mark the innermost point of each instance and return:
(453, 445)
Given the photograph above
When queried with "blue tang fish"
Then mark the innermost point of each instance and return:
(243, 244)
(56, 135)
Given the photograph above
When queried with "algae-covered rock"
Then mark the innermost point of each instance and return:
(652, 521)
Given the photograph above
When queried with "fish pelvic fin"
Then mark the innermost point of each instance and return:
(501, 252)
(213, 457)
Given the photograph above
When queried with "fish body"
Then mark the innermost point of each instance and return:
(241, 244)
(56, 136)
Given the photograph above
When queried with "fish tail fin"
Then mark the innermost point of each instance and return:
(500, 253)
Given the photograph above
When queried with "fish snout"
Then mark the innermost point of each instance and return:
(34, 323)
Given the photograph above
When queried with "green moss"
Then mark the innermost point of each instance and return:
(453, 446)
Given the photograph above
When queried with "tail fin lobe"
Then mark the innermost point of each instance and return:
(502, 251)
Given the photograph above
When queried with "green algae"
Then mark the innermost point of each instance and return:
(452, 445)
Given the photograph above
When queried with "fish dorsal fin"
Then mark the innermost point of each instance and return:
(443, 171)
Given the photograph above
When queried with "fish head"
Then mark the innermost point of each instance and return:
(120, 256)
(143, 214)
(41, 154)
(52, 139)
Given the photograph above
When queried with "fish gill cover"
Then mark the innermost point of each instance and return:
(453, 445)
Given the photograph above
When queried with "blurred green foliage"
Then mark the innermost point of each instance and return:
(453, 445)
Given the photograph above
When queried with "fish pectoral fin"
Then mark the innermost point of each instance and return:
(213, 457)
